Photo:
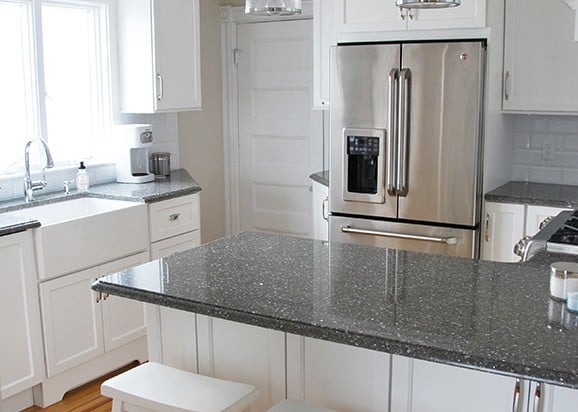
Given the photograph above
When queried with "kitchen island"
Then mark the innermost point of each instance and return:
(482, 315)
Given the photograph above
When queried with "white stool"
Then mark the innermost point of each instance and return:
(297, 406)
(155, 387)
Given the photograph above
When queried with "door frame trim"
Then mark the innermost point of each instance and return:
(231, 17)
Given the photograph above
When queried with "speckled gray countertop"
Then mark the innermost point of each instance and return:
(321, 177)
(478, 314)
(179, 183)
(539, 194)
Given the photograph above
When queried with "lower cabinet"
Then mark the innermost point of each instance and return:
(420, 386)
(320, 211)
(336, 376)
(76, 327)
(243, 353)
(21, 343)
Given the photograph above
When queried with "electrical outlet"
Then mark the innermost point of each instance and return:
(547, 150)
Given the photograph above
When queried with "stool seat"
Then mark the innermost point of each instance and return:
(158, 387)
(297, 406)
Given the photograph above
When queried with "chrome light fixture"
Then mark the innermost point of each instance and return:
(273, 7)
(426, 4)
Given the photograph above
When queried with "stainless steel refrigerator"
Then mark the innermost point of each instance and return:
(405, 162)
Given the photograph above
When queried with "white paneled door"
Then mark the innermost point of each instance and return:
(280, 136)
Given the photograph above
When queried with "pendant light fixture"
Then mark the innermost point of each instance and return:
(426, 4)
(273, 7)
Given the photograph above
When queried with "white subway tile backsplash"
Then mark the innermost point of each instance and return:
(530, 133)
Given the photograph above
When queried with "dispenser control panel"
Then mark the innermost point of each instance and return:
(146, 137)
(363, 145)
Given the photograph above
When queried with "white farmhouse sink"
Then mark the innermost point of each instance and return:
(81, 233)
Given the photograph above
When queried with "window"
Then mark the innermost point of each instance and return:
(56, 78)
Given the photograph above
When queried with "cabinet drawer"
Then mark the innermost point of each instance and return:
(173, 217)
(175, 244)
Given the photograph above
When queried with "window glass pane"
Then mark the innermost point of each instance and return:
(74, 80)
(18, 105)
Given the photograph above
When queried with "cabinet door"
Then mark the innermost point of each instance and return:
(369, 15)
(71, 320)
(540, 57)
(159, 55)
(323, 39)
(535, 215)
(471, 13)
(21, 342)
(175, 244)
(420, 386)
(503, 227)
(561, 399)
(336, 376)
(123, 319)
(177, 54)
(243, 353)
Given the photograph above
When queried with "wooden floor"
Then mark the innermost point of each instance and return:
(85, 398)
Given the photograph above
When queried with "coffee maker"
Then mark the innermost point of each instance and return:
(132, 153)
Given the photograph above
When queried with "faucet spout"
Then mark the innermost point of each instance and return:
(29, 185)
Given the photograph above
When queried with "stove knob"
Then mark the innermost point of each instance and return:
(521, 245)
(544, 222)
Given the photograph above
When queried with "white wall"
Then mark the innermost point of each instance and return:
(529, 134)
(201, 133)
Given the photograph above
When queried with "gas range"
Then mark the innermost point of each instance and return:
(560, 235)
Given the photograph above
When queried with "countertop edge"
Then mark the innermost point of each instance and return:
(380, 344)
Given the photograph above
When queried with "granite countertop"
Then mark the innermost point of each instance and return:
(492, 316)
(179, 183)
(321, 177)
(539, 194)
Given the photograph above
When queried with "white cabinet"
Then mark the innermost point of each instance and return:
(323, 38)
(174, 225)
(75, 325)
(420, 386)
(243, 353)
(503, 227)
(535, 215)
(159, 55)
(506, 223)
(320, 211)
(540, 57)
(380, 16)
(560, 399)
(21, 342)
(336, 376)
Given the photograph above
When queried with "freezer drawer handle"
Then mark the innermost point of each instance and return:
(452, 240)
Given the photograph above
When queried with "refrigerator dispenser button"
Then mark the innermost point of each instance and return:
(563, 279)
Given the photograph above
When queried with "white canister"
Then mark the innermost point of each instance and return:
(563, 279)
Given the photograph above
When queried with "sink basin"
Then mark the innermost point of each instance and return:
(82, 233)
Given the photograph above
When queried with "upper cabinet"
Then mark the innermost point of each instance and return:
(323, 39)
(540, 57)
(384, 15)
(159, 55)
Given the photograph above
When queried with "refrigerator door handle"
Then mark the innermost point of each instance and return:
(451, 240)
(403, 132)
(391, 170)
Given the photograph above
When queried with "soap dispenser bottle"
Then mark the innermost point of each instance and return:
(82, 178)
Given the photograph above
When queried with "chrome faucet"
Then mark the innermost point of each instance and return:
(29, 185)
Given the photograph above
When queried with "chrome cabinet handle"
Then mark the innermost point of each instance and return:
(516, 401)
(452, 240)
(403, 120)
(324, 209)
(507, 85)
(487, 228)
(161, 92)
(174, 217)
(537, 398)
(391, 146)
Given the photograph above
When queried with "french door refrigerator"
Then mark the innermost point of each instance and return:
(405, 158)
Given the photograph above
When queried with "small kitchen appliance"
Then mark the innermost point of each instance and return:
(132, 155)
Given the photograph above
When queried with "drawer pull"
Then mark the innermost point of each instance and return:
(174, 217)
